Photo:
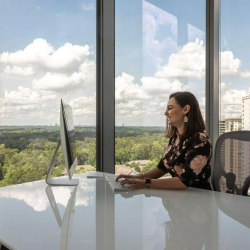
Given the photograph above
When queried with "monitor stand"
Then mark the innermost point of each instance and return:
(59, 182)
(64, 223)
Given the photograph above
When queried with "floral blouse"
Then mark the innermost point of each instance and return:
(189, 160)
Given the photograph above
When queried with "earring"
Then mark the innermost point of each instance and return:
(185, 119)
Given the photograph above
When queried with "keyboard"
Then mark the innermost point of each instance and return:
(115, 185)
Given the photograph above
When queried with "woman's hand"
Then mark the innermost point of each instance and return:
(134, 183)
(126, 176)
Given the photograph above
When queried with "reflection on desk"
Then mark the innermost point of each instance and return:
(62, 223)
(142, 219)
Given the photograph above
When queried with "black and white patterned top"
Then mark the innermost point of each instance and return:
(189, 160)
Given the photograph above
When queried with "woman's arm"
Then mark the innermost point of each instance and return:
(154, 173)
(165, 183)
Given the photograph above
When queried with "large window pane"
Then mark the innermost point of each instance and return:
(47, 53)
(234, 85)
(160, 49)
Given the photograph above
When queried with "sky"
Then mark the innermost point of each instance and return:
(48, 52)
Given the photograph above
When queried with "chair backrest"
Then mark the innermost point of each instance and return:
(231, 168)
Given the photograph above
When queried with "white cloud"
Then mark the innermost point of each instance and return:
(155, 86)
(58, 82)
(188, 62)
(245, 74)
(156, 108)
(19, 71)
(131, 104)
(176, 85)
(161, 86)
(24, 100)
(37, 51)
(48, 74)
(231, 103)
(68, 57)
(229, 65)
(138, 112)
(41, 56)
(131, 107)
(84, 106)
(83, 101)
(126, 89)
(233, 96)
(84, 111)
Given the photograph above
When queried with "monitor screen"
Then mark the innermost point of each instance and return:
(69, 132)
(68, 144)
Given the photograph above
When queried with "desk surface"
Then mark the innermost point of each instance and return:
(93, 217)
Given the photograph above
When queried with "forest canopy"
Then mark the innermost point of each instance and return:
(26, 152)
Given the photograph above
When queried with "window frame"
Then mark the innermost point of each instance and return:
(105, 86)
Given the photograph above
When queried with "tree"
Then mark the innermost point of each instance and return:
(136, 167)
(150, 165)
(121, 156)
(156, 151)
(141, 151)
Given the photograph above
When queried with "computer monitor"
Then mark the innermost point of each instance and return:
(68, 144)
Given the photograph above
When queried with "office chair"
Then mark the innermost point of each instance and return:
(231, 168)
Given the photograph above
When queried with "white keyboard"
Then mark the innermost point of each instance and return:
(115, 185)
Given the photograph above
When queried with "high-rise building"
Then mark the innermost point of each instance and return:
(246, 145)
(233, 150)
(246, 112)
(222, 130)
(222, 127)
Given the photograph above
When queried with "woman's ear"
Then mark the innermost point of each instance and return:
(186, 109)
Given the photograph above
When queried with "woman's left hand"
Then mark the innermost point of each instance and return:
(134, 183)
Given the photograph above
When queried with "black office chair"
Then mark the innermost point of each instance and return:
(231, 168)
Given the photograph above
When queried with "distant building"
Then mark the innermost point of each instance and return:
(222, 127)
(222, 130)
(122, 169)
(140, 163)
(233, 150)
(246, 145)
(246, 112)
(233, 124)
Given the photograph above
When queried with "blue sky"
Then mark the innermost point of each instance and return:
(57, 22)
(160, 48)
(54, 24)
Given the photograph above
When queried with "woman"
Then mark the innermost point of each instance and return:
(188, 153)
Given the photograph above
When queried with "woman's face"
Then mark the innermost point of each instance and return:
(175, 113)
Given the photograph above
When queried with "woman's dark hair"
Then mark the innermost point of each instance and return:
(195, 122)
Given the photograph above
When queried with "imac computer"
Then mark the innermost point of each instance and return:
(68, 144)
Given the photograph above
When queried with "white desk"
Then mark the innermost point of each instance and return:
(98, 219)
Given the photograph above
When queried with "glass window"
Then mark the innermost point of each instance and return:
(47, 53)
(160, 49)
(234, 83)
